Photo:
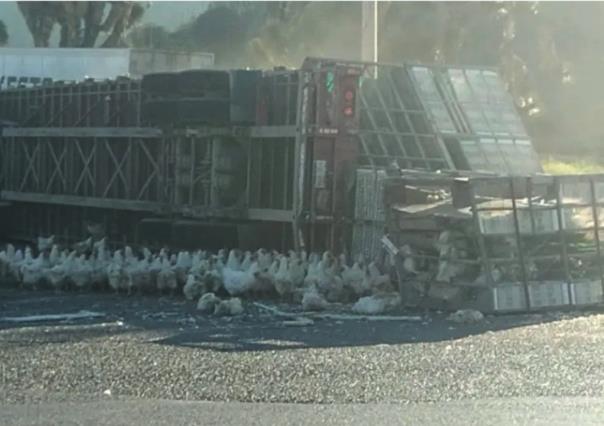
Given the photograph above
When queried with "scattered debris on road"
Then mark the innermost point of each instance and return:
(466, 316)
(54, 317)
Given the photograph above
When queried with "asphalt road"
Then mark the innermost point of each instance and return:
(156, 360)
(517, 411)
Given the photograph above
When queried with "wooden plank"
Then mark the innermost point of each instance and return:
(73, 200)
(82, 132)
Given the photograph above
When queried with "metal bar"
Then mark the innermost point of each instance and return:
(30, 166)
(273, 181)
(428, 113)
(562, 236)
(86, 164)
(248, 181)
(82, 132)
(87, 113)
(193, 157)
(596, 218)
(74, 200)
(58, 114)
(374, 125)
(481, 239)
(519, 246)
(299, 159)
(270, 215)
(57, 166)
(273, 131)
(118, 169)
(405, 113)
(286, 175)
(529, 196)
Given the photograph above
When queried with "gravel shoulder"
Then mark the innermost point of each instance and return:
(161, 348)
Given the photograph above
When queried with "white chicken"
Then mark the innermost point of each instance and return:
(377, 304)
(44, 244)
(116, 274)
(207, 303)
(297, 268)
(312, 273)
(232, 262)
(238, 282)
(138, 272)
(99, 264)
(32, 272)
(14, 268)
(230, 307)
(182, 267)
(213, 276)
(55, 256)
(81, 273)
(83, 247)
(194, 287)
(354, 279)
(329, 283)
(154, 268)
(58, 275)
(312, 300)
(166, 278)
(264, 259)
(282, 279)
(376, 281)
(247, 261)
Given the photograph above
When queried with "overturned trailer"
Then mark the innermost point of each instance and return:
(334, 155)
(222, 158)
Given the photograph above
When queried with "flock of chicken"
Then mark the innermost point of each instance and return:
(313, 280)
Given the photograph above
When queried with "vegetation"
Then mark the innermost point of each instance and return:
(569, 166)
(81, 22)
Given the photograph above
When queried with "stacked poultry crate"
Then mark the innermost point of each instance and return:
(499, 243)
(369, 216)
(193, 97)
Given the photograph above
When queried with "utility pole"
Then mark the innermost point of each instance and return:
(369, 31)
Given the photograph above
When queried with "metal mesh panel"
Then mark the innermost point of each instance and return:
(395, 125)
(429, 117)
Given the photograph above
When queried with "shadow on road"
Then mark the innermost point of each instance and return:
(256, 331)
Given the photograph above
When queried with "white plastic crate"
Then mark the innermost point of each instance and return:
(548, 294)
(508, 297)
(588, 292)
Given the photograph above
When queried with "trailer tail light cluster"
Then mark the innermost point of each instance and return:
(347, 99)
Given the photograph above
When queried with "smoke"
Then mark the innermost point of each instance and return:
(550, 54)
(264, 34)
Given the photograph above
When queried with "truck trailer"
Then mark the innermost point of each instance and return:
(281, 158)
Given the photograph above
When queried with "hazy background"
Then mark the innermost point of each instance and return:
(551, 55)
